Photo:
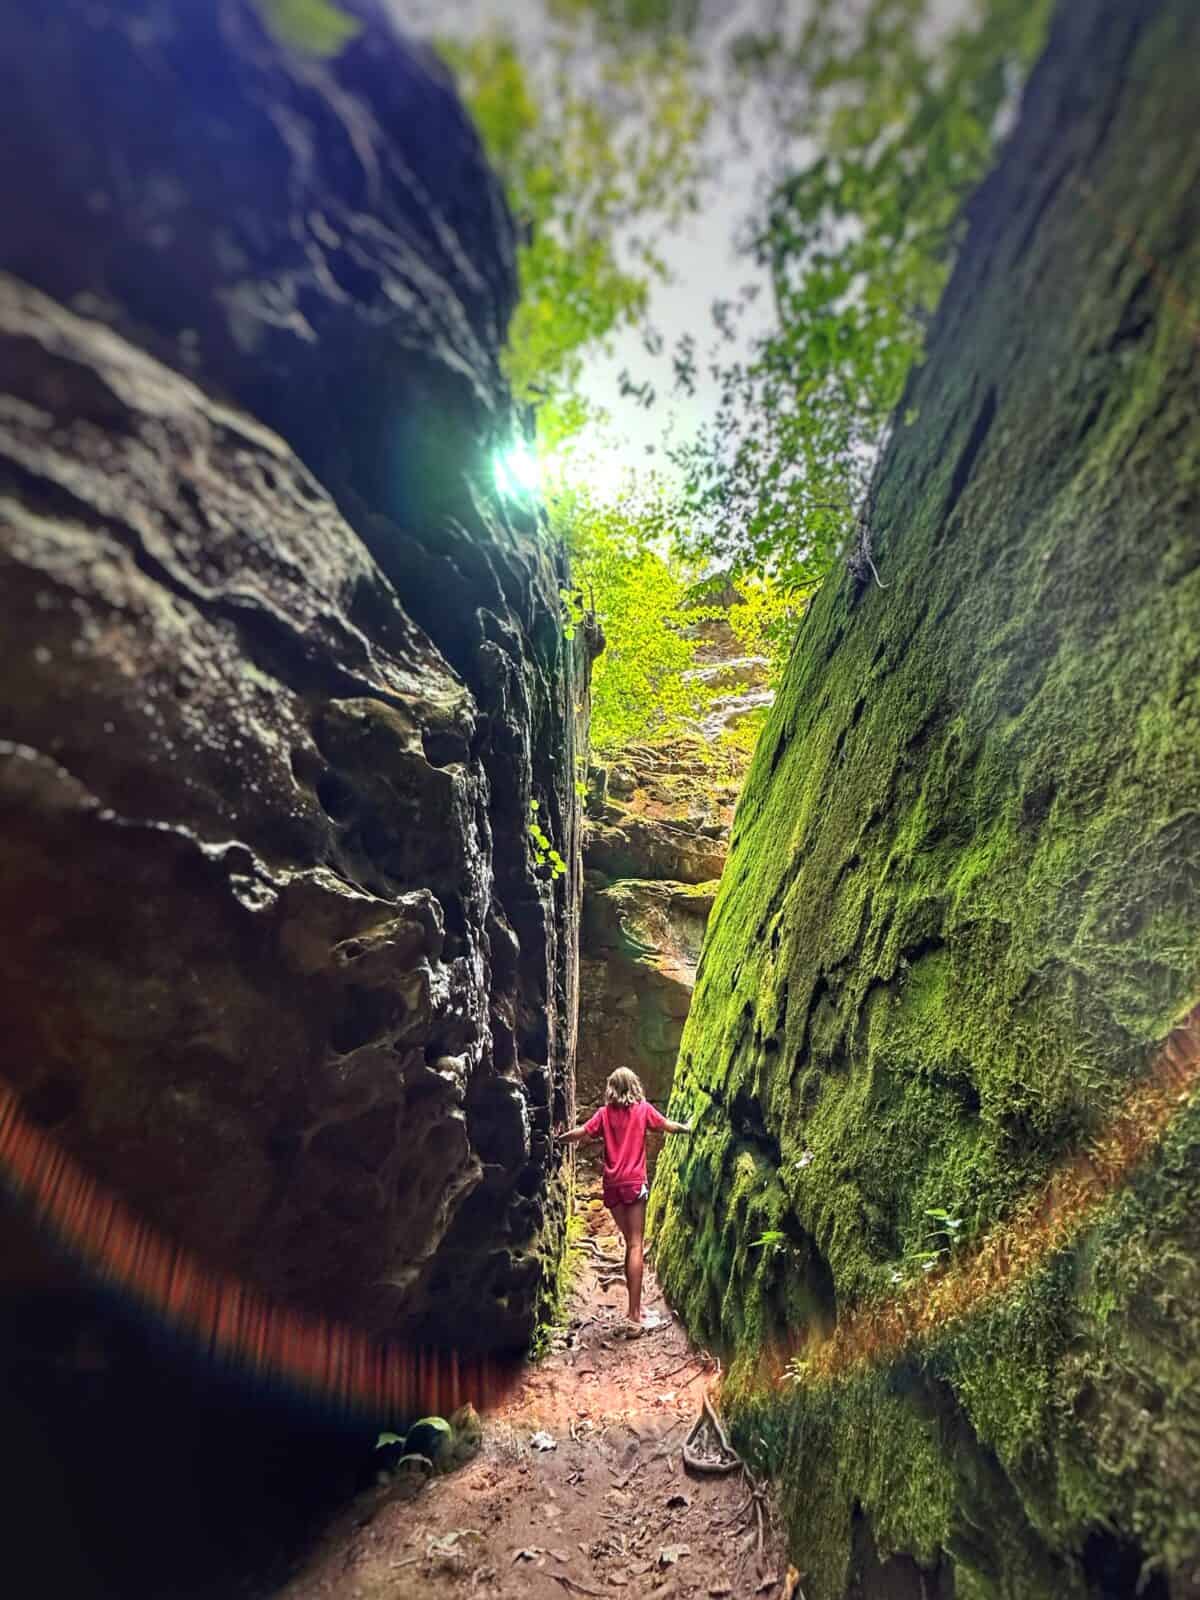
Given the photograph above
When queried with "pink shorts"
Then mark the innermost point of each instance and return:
(625, 1194)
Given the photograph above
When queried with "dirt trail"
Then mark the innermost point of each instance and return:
(608, 1510)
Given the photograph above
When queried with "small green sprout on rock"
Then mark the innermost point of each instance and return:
(774, 1242)
(574, 611)
(312, 27)
(544, 852)
(938, 1241)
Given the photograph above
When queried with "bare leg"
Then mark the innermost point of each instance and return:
(620, 1215)
(631, 1220)
(634, 1231)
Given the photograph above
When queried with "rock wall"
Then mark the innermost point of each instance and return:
(282, 672)
(654, 843)
(962, 910)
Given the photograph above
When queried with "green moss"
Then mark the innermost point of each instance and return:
(963, 896)
(561, 1262)
(558, 1264)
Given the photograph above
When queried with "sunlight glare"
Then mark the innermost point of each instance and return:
(594, 467)
(518, 471)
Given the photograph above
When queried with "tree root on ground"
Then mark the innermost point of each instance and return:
(713, 1464)
(727, 1460)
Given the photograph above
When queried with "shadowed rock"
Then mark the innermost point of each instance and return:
(276, 958)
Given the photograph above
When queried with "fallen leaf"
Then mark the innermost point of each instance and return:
(561, 1555)
(446, 1548)
(671, 1553)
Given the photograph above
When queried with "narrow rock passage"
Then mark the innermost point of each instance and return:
(608, 1508)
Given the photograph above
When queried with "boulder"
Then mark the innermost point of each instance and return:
(651, 847)
(641, 942)
(283, 671)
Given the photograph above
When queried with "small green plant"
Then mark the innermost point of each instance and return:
(574, 611)
(936, 1242)
(386, 1438)
(772, 1238)
(947, 1225)
(313, 27)
(544, 853)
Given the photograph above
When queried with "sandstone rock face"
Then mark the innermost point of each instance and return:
(282, 673)
(961, 911)
(654, 847)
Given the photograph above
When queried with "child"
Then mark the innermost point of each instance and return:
(622, 1122)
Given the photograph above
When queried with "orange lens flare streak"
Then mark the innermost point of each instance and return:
(1069, 1199)
(278, 1346)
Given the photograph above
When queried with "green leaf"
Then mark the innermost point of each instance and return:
(900, 108)
(597, 145)
(313, 27)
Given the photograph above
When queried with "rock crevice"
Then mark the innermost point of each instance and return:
(654, 847)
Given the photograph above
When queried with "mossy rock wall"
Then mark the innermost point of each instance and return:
(962, 904)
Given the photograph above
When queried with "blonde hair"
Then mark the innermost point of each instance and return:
(623, 1088)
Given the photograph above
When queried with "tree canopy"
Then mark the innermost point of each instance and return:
(599, 137)
(902, 116)
(597, 142)
(641, 688)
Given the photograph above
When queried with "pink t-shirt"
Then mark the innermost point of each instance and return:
(624, 1130)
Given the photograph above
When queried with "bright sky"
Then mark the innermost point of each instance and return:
(700, 256)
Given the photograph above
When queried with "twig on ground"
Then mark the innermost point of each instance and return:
(661, 1377)
(579, 1588)
(657, 1456)
(715, 1419)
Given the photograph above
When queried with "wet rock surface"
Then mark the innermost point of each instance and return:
(282, 675)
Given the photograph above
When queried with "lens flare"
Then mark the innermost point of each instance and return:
(221, 1318)
(1050, 1218)
(518, 471)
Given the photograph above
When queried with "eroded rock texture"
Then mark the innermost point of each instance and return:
(962, 904)
(282, 674)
